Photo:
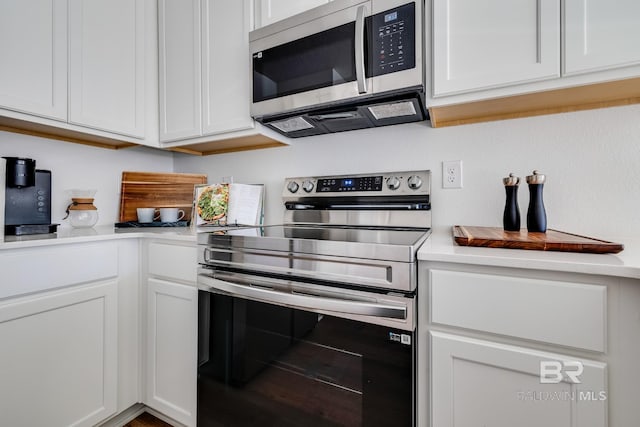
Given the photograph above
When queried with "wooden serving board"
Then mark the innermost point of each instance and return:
(552, 240)
(157, 190)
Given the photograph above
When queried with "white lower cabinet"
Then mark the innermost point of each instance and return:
(507, 347)
(58, 357)
(90, 332)
(482, 383)
(171, 349)
(171, 331)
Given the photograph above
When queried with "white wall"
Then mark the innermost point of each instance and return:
(591, 159)
(84, 167)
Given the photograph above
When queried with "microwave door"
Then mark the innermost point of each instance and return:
(320, 62)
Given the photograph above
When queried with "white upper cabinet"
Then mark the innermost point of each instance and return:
(493, 43)
(80, 63)
(204, 68)
(270, 11)
(225, 66)
(601, 34)
(33, 74)
(106, 65)
(180, 71)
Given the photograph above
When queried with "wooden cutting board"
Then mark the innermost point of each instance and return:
(552, 240)
(157, 190)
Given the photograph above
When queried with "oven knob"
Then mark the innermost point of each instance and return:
(307, 186)
(393, 183)
(414, 182)
(292, 186)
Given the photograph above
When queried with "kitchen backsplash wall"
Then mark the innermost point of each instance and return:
(84, 167)
(590, 158)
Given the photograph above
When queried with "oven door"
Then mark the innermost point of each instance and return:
(275, 352)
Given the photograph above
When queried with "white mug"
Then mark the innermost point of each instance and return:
(171, 214)
(147, 215)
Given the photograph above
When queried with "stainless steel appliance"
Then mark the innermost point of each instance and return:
(27, 198)
(349, 64)
(313, 322)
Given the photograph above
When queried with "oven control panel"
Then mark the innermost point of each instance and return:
(363, 183)
(376, 184)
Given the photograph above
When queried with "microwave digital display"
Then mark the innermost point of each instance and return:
(391, 17)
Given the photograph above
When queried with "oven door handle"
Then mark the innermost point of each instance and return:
(260, 291)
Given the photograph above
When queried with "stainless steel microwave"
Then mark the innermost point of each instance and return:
(349, 64)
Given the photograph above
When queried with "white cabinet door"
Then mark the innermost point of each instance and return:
(172, 364)
(485, 44)
(600, 34)
(480, 383)
(106, 65)
(129, 325)
(33, 48)
(204, 68)
(226, 66)
(58, 358)
(270, 11)
(180, 71)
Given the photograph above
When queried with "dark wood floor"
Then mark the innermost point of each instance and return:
(147, 420)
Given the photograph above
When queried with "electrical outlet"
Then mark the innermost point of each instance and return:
(452, 174)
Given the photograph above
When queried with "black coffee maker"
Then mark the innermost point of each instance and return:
(27, 198)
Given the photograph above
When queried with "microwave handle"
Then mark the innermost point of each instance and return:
(359, 49)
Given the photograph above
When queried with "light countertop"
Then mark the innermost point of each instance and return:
(441, 246)
(99, 233)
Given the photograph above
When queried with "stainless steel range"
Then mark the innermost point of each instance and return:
(313, 322)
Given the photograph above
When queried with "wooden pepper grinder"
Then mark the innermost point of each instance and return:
(511, 217)
(536, 215)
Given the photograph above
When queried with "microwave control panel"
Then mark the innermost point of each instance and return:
(392, 46)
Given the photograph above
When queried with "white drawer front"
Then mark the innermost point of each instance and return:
(37, 269)
(173, 261)
(569, 314)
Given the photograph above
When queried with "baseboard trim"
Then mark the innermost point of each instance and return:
(125, 416)
(132, 413)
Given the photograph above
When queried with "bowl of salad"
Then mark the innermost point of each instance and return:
(212, 203)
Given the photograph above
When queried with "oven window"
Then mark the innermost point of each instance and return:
(320, 60)
(265, 365)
